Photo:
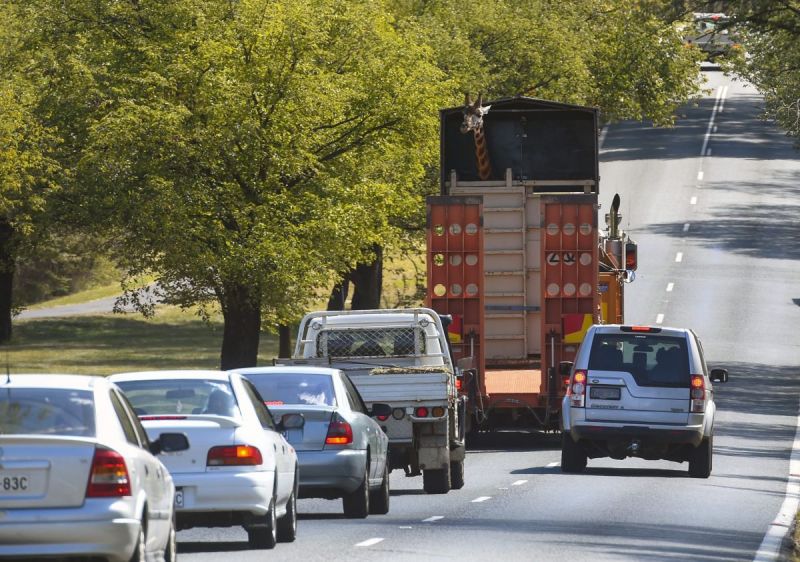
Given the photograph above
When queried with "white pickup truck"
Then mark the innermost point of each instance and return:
(398, 357)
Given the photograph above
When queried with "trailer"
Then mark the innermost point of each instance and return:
(515, 254)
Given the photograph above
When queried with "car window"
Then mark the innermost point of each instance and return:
(278, 389)
(124, 420)
(702, 354)
(137, 425)
(652, 359)
(161, 397)
(356, 403)
(262, 412)
(51, 411)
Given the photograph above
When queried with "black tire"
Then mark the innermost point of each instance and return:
(139, 553)
(287, 525)
(701, 459)
(171, 548)
(456, 475)
(436, 480)
(379, 499)
(264, 535)
(356, 504)
(573, 457)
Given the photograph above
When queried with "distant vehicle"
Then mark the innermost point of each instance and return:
(78, 475)
(342, 451)
(640, 391)
(711, 34)
(239, 470)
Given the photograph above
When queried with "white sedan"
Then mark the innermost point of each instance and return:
(239, 470)
(78, 475)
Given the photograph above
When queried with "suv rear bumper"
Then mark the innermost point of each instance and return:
(650, 435)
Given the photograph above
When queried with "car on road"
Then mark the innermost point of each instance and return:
(341, 449)
(79, 476)
(239, 471)
(712, 34)
(640, 391)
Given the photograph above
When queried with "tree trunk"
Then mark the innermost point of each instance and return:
(368, 281)
(285, 341)
(242, 313)
(7, 268)
(338, 296)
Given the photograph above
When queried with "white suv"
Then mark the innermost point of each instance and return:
(640, 391)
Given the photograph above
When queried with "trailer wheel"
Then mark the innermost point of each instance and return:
(457, 475)
(573, 457)
(436, 480)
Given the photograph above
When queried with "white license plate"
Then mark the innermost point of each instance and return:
(16, 483)
(604, 393)
(178, 497)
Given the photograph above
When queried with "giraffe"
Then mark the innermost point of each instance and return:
(473, 121)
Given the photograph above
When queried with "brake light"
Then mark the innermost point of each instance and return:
(421, 412)
(458, 384)
(152, 418)
(273, 402)
(577, 390)
(108, 477)
(382, 418)
(697, 393)
(339, 432)
(234, 455)
(640, 329)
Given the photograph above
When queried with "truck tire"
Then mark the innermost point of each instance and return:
(356, 504)
(701, 459)
(456, 475)
(573, 457)
(436, 480)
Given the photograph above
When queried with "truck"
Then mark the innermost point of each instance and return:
(399, 357)
(516, 257)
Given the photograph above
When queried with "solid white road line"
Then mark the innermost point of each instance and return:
(679, 257)
(686, 227)
(670, 286)
(771, 545)
(433, 518)
(707, 136)
(481, 499)
(553, 464)
(519, 482)
(370, 542)
(693, 201)
(659, 319)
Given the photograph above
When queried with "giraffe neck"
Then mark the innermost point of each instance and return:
(482, 154)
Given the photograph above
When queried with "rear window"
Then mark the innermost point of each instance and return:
(294, 388)
(46, 411)
(181, 397)
(371, 342)
(652, 359)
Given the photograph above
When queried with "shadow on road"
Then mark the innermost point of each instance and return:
(493, 441)
(191, 547)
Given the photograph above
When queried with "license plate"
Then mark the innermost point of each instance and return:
(15, 483)
(178, 497)
(604, 393)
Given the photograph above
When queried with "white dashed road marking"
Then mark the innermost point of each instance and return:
(518, 483)
(693, 201)
(553, 464)
(700, 175)
(481, 499)
(679, 257)
(433, 518)
(370, 542)
(670, 286)
(686, 227)
(659, 319)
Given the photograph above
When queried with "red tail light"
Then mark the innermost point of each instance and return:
(458, 384)
(382, 418)
(577, 390)
(108, 477)
(234, 455)
(697, 393)
(421, 412)
(339, 432)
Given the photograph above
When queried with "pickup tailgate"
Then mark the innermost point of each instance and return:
(398, 388)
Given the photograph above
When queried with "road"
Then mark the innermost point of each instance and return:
(714, 205)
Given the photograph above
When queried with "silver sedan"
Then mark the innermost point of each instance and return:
(78, 475)
(341, 450)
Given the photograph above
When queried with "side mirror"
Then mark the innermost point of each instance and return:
(564, 368)
(291, 421)
(169, 443)
(380, 410)
(720, 375)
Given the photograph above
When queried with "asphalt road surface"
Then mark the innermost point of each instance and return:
(714, 204)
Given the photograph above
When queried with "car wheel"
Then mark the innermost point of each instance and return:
(436, 480)
(264, 535)
(356, 504)
(457, 475)
(171, 548)
(379, 499)
(287, 526)
(701, 459)
(573, 457)
(139, 553)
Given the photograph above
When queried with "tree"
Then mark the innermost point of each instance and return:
(242, 152)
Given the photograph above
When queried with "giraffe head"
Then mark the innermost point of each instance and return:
(473, 114)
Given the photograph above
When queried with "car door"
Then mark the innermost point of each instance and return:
(370, 427)
(284, 458)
